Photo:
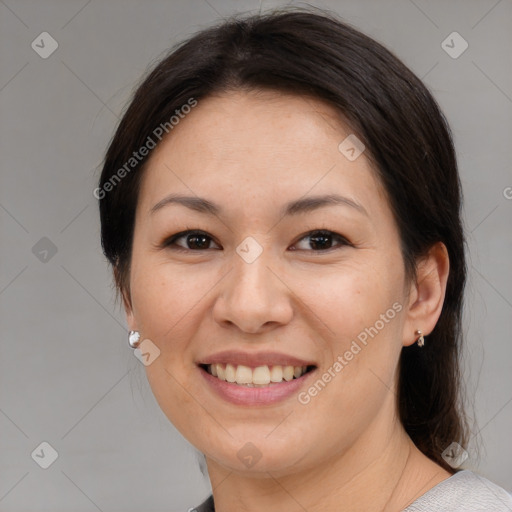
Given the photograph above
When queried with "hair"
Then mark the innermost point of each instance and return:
(408, 142)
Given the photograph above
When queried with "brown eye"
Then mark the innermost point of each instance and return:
(322, 240)
(195, 241)
(192, 241)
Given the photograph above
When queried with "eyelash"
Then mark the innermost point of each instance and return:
(170, 243)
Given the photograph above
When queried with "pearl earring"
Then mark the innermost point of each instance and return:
(134, 339)
(421, 339)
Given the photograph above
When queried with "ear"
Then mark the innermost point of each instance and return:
(427, 294)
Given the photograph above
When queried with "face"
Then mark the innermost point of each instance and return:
(270, 277)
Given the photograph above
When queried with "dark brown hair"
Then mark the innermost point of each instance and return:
(390, 110)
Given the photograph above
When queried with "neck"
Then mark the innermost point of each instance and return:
(376, 476)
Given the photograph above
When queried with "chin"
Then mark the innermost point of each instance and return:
(255, 455)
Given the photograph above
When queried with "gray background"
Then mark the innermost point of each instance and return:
(67, 376)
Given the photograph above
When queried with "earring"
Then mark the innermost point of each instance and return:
(134, 339)
(421, 339)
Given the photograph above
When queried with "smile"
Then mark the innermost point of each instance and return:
(261, 376)
(262, 385)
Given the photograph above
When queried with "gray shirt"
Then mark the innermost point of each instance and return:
(464, 491)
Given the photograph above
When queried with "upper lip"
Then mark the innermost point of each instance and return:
(255, 359)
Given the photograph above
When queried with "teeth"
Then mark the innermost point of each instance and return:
(258, 377)
(230, 373)
(276, 374)
(288, 373)
(243, 375)
(261, 375)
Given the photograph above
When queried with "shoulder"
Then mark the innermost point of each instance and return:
(206, 506)
(465, 491)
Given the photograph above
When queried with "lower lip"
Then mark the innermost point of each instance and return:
(243, 395)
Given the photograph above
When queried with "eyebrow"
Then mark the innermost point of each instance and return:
(296, 207)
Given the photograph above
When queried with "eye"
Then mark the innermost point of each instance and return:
(194, 240)
(321, 240)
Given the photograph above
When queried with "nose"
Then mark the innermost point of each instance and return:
(254, 297)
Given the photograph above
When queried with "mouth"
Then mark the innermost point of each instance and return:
(256, 377)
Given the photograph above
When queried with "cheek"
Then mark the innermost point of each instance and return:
(350, 298)
(165, 299)
(361, 311)
(166, 305)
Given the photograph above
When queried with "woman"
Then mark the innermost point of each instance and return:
(281, 208)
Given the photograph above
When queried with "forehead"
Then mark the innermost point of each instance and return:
(241, 147)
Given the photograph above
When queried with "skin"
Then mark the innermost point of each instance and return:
(250, 152)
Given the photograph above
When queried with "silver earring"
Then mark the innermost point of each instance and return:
(421, 339)
(134, 339)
